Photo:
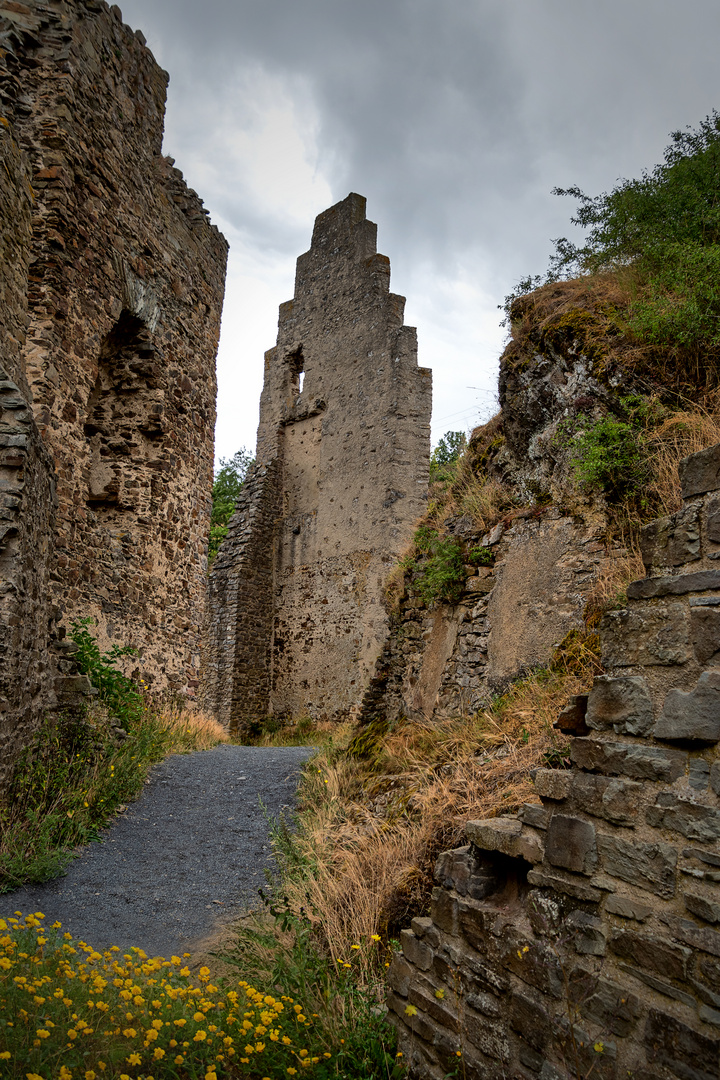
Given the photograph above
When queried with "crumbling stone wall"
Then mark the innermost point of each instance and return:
(111, 283)
(582, 934)
(448, 660)
(345, 415)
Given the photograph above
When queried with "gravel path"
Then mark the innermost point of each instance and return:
(189, 853)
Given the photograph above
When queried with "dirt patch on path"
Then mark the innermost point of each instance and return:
(183, 861)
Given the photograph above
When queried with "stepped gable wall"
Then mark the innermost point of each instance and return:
(125, 290)
(582, 936)
(344, 415)
(111, 285)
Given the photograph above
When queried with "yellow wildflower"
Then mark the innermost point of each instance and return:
(134, 1059)
(200, 1036)
(410, 1010)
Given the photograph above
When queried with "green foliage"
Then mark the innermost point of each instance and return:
(481, 556)
(67, 784)
(118, 693)
(608, 455)
(440, 575)
(665, 226)
(228, 483)
(446, 455)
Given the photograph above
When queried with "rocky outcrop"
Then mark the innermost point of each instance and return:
(580, 937)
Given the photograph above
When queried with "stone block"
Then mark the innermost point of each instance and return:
(506, 835)
(700, 472)
(399, 974)
(683, 1050)
(712, 519)
(605, 1002)
(676, 585)
(530, 1020)
(705, 907)
(612, 799)
(571, 844)
(682, 814)
(487, 1004)
(651, 953)
(586, 929)
(649, 866)
(467, 874)
(416, 951)
(423, 927)
(671, 541)
(553, 783)
(692, 715)
(444, 911)
(638, 762)
(669, 989)
(535, 815)
(627, 908)
(558, 882)
(657, 635)
(705, 633)
(489, 1038)
(715, 777)
(571, 720)
(697, 937)
(698, 773)
(623, 704)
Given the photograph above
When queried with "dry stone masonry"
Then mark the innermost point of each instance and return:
(341, 478)
(584, 934)
(111, 283)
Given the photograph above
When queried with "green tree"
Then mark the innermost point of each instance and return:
(446, 453)
(664, 227)
(228, 483)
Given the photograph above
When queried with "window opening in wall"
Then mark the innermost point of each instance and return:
(124, 424)
(296, 363)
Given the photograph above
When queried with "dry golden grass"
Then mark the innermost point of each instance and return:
(683, 432)
(189, 728)
(370, 830)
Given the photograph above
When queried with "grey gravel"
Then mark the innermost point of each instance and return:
(190, 852)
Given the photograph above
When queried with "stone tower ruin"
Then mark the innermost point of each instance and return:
(341, 474)
(111, 288)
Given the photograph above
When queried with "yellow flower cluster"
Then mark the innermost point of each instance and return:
(69, 1012)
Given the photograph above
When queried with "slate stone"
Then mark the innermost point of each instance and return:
(651, 953)
(530, 1020)
(571, 844)
(660, 985)
(506, 835)
(694, 820)
(715, 777)
(571, 720)
(612, 799)
(712, 519)
(623, 704)
(698, 773)
(677, 585)
(553, 783)
(399, 974)
(700, 472)
(609, 1004)
(416, 951)
(672, 541)
(535, 815)
(702, 906)
(587, 935)
(692, 715)
(628, 908)
(676, 1046)
(650, 866)
(638, 762)
(577, 889)
(648, 636)
(698, 937)
(444, 911)
(705, 633)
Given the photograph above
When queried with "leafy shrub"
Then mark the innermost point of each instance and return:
(118, 693)
(440, 573)
(664, 229)
(480, 556)
(609, 455)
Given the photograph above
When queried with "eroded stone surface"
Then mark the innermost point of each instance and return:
(623, 704)
(693, 714)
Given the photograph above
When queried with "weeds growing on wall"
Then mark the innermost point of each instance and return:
(437, 567)
(227, 485)
(117, 691)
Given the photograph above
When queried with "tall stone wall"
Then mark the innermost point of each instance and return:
(125, 291)
(581, 936)
(111, 284)
(345, 415)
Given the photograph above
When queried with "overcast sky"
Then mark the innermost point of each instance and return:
(455, 118)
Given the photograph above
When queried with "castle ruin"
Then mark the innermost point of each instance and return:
(111, 284)
(296, 593)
